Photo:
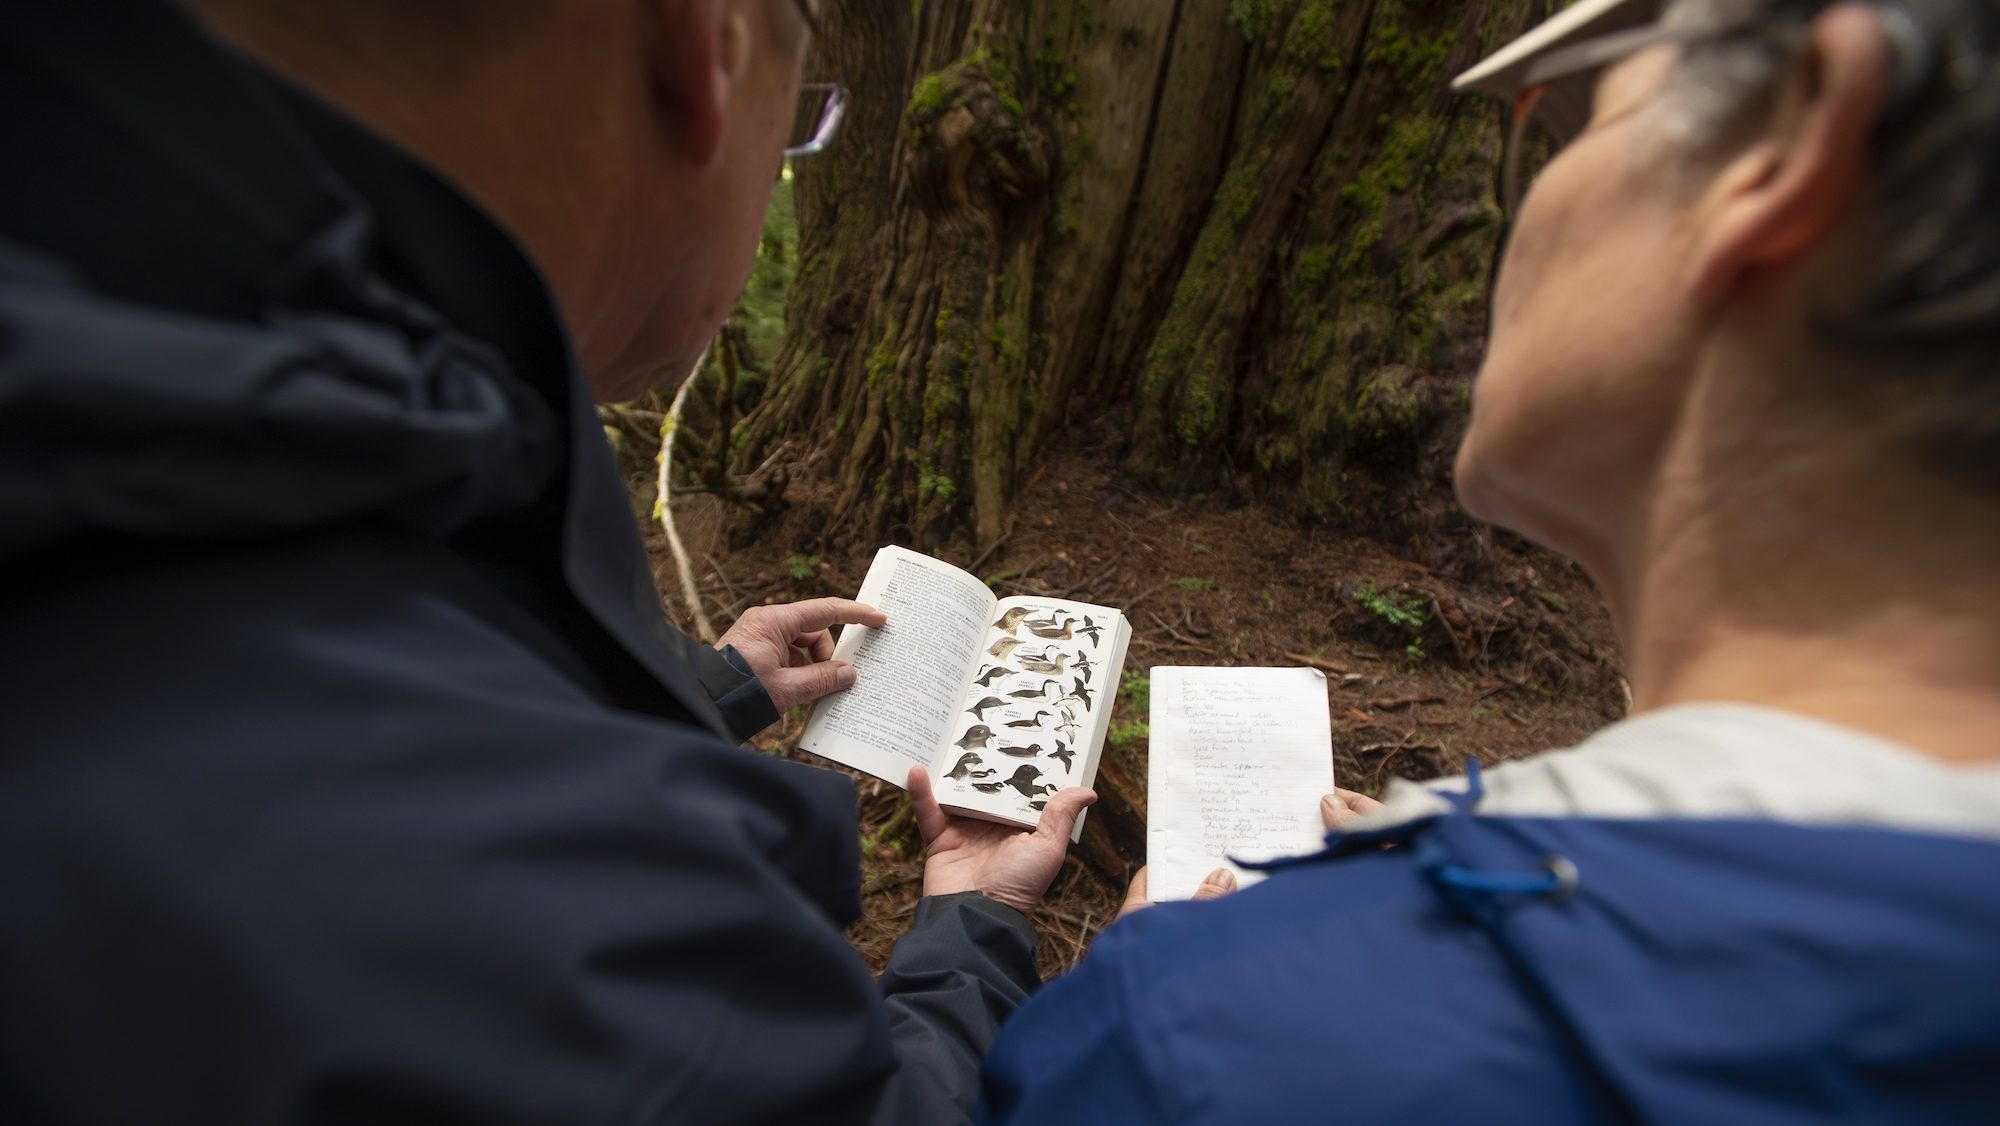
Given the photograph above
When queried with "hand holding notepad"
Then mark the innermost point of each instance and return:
(1239, 760)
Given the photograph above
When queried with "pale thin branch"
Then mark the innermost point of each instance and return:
(668, 428)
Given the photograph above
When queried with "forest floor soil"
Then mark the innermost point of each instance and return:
(1493, 652)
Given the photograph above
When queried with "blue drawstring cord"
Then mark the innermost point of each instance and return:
(1470, 888)
(1475, 789)
(1555, 881)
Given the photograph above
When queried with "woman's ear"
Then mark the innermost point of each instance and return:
(1781, 196)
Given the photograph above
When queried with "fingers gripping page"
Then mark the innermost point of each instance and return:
(909, 674)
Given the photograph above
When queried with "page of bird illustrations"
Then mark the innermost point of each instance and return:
(909, 674)
(1034, 717)
(1237, 762)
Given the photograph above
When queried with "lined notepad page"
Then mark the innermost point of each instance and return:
(1239, 760)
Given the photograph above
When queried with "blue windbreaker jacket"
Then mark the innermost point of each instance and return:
(1695, 969)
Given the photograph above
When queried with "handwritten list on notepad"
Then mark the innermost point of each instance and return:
(1239, 760)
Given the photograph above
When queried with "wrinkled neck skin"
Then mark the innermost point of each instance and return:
(1784, 560)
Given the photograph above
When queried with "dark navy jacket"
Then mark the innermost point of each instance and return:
(348, 770)
(1672, 969)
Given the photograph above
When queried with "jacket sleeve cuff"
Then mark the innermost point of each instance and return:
(746, 708)
(966, 964)
(1020, 924)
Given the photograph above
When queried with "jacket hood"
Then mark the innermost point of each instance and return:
(1735, 971)
(127, 419)
(226, 311)
(1722, 911)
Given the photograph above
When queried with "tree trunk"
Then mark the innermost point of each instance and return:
(912, 353)
(1264, 225)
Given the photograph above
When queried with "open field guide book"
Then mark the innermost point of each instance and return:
(1004, 701)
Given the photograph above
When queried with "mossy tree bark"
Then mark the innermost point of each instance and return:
(1256, 233)
(843, 204)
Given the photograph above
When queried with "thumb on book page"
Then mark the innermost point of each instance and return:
(1060, 816)
(931, 819)
(790, 687)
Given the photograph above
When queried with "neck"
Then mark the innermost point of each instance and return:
(1829, 578)
(457, 99)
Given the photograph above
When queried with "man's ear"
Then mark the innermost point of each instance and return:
(702, 52)
(1774, 202)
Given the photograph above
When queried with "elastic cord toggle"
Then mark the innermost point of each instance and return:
(1555, 881)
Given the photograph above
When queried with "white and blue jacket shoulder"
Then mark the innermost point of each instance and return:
(1710, 914)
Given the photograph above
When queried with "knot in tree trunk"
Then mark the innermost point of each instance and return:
(970, 154)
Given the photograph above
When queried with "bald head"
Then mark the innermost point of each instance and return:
(426, 29)
(629, 145)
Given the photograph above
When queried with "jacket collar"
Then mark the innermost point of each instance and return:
(1720, 761)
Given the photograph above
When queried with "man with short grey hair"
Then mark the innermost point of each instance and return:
(349, 771)
(1745, 368)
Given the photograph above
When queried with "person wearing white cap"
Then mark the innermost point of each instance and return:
(1743, 368)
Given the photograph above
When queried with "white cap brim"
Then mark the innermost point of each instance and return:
(1500, 73)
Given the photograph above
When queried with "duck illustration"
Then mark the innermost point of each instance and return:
(1041, 693)
(1090, 629)
(1066, 756)
(979, 708)
(1042, 662)
(1029, 751)
(1050, 632)
(976, 738)
(1010, 619)
(1035, 722)
(992, 673)
(988, 787)
(1003, 647)
(1083, 666)
(964, 770)
(1024, 781)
